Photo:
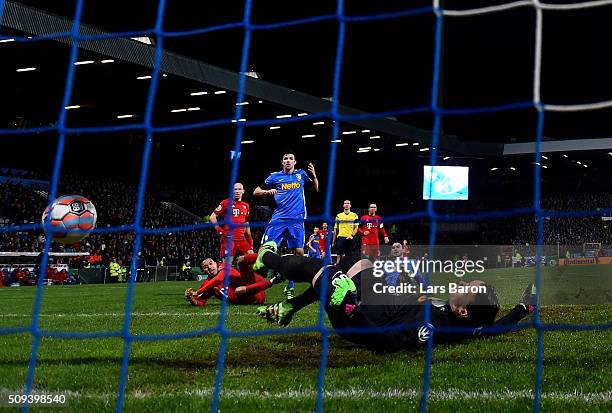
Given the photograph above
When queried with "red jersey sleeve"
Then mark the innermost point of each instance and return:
(381, 227)
(206, 287)
(221, 208)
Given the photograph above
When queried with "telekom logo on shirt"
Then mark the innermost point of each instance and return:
(292, 185)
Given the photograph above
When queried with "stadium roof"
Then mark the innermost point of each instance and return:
(387, 67)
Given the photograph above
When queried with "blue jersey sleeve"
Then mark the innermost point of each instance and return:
(307, 179)
(271, 181)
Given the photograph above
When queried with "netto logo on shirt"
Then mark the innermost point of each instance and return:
(292, 185)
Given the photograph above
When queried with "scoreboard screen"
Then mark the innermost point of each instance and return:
(448, 183)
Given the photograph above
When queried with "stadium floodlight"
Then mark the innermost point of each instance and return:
(249, 141)
(178, 110)
(423, 149)
(365, 131)
(7, 40)
(544, 166)
(198, 93)
(365, 148)
(193, 109)
(308, 136)
(579, 163)
(125, 116)
(544, 157)
(143, 39)
(375, 137)
(242, 103)
(274, 127)
(446, 158)
(260, 101)
(565, 156)
(220, 92)
(415, 144)
(337, 141)
(253, 74)
(282, 116)
(512, 168)
(349, 132)
(239, 120)
(402, 144)
(72, 107)
(107, 61)
(585, 165)
(493, 169)
(26, 69)
(303, 114)
(376, 149)
(143, 77)
(318, 123)
(610, 153)
(84, 62)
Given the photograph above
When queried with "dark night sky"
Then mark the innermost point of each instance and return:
(486, 60)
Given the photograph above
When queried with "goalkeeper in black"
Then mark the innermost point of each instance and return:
(396, 324)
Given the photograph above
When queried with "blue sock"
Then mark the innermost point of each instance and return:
(290, 284)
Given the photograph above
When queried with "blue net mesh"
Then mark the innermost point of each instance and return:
(150, 129)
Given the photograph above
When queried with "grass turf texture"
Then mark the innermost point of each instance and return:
(280, 371)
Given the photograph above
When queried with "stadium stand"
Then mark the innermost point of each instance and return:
(116, 202)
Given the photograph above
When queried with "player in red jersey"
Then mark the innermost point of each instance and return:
(245, 286)
(323, 234)
(371, 227)
(242, 242)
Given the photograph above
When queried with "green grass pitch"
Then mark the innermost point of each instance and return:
(279, 372)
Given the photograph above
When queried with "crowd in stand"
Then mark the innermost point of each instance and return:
(115, 203)
(19, 204)
(23, 276)
(564, 230)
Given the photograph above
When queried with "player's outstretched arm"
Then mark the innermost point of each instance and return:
(213, 219)
(313, 176)
(309, 244)
(383, 232)
(505, 324)
(263, 192)
(247, 234)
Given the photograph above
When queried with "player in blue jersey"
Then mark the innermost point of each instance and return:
(287, 188)
(314, 250)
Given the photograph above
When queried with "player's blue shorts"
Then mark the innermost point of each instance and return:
(316, 254)
(290, 230)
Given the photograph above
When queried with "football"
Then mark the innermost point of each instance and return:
(73, 217)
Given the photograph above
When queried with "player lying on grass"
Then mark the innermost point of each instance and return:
(345, 308)
(245, 286)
